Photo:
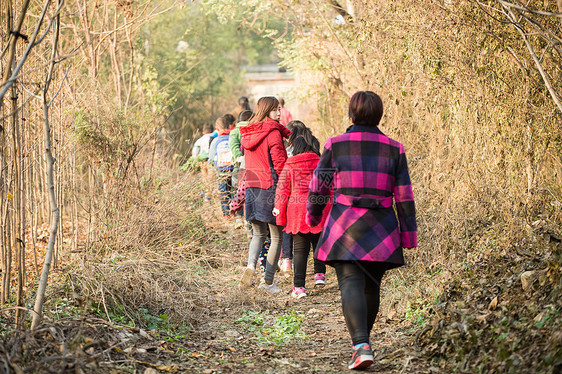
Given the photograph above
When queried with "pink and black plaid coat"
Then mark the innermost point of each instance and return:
(368, 173)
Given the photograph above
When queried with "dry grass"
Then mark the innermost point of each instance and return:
(154, 257)
(479, 134)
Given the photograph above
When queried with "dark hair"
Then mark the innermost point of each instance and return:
(282, 102)
(244, 115)
(221, 124)
(243, 102)
(229, 119)
(208, 127)
(292, 125)
(264, 106)
(300, 145)
(299, 129)
(365, 108)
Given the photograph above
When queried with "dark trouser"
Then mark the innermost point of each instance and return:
(359, 283)
(287, 246)
(225, 192)
(301, 249)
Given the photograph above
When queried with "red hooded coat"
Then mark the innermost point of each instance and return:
(292, 192)
(262, 143)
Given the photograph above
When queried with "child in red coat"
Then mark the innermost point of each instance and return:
(290, 207)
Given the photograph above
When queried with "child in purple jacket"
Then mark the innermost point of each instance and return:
(363, 236)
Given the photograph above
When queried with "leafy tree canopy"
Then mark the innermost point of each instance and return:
(200, 58)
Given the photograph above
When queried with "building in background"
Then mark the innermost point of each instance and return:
(270, 80)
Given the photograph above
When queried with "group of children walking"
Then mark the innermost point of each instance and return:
(352, 204)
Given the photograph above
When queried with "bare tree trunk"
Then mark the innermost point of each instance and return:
(18, 224)
(4, 220)
(38, 308)
(3, 211)
(40, 298)
(83, 12)
(3, 167)
(34, 216)
(59, 180)
(7, 257)
(115, 63)
(132, 68)
(73, 203)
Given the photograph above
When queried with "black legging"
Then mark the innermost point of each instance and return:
(301, 248)
(360, 283)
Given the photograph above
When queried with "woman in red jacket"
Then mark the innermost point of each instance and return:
(265, 156)
(290, 207)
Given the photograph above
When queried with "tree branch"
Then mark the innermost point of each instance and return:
(538, 64)
(507, 4)
(351, 59)
(60, 87)
(341, 11)
(9, 82)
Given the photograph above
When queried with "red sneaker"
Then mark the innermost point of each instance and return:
(361, 358)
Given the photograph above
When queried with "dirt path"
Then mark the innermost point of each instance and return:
(326, 349)
(232, 341)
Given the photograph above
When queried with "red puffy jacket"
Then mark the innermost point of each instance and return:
(292, 193)
(262, 142)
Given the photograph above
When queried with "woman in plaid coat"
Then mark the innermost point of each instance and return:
(363, 236)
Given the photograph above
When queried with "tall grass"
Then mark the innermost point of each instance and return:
(152, 257)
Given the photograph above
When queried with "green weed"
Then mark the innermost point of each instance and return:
(417, 312)
(153, 322)
(117, 314)
(279, 330)
(549, 318)
(62, 307)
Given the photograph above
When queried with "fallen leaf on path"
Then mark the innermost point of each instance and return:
(168, 368)
(482, 317)
(493, 304)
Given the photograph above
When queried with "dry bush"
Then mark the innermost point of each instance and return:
(167, 254)
(152, 257)
(478, 126)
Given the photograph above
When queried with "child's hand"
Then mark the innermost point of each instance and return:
(275, 212)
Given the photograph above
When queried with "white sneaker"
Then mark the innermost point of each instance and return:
(269, 288)
(246, 280)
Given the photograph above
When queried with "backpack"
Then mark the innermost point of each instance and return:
(223, 157)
